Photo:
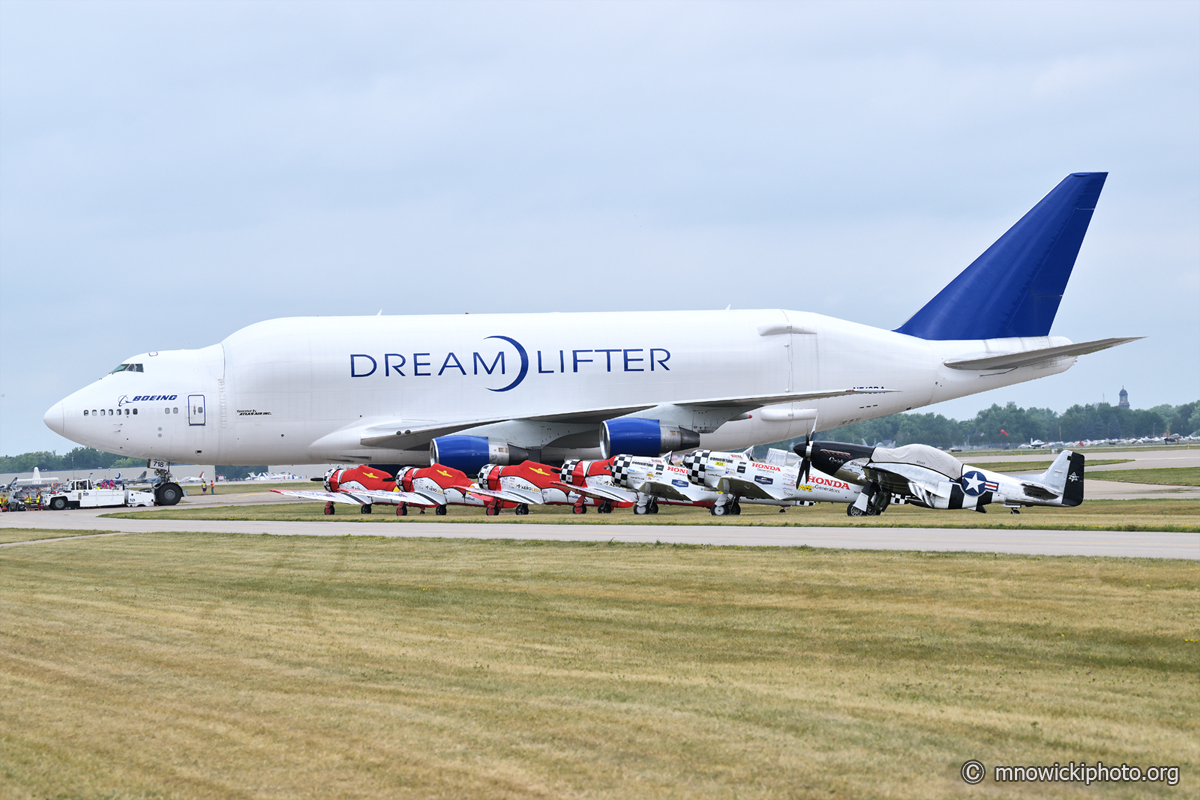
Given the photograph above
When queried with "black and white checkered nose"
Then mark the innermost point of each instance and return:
(564, 472)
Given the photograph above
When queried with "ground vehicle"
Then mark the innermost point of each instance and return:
(82, 493)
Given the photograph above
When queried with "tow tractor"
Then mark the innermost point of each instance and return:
(82, 493)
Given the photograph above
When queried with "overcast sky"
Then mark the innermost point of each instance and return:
(171, 172)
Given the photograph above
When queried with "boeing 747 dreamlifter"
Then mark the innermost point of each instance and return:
(504, 388)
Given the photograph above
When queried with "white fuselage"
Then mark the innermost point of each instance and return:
(302, 390)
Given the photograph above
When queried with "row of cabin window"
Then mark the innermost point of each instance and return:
(117, 412)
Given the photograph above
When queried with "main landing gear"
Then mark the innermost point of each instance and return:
(721, 509)
(649, 508)
(329, 508)
(364, 509)
(402, 510)
(579, 508)
(521, 510)
(440, 511)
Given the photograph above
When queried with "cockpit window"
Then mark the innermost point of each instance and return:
(127, 368)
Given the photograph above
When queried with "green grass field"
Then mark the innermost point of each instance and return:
(1169, 476)
(1128, 515)
(187, 665)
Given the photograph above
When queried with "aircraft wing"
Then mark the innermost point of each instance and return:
(406, 436)
(360, 498)
(1025, 358)
(599, 492)
(744, 488)
(661, 488)
(510, 495)
(396, 498)
(322, 497)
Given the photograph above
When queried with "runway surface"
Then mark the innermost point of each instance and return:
(1154, 544)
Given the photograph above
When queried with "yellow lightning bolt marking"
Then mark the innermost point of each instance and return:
(540, 471)
(370, 475)
(443, 472)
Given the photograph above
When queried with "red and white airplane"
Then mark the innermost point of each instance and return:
(450, 486)
(593, 479)
(541, 484)
(361, 486)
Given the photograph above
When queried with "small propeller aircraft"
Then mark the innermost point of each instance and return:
(361, 486)
(594, 479)
(736, 476)
(928, 477)
(541, 484)
(450, 486)
(657, 479)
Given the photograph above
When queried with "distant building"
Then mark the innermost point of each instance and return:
(1124, 399)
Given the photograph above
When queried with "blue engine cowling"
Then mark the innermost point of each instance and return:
(644, 437)
(469, 453)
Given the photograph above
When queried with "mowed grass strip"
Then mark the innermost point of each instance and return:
(230, 666)
(8, 535)
(1120, 515)
(1041, 466)
(1164, 476)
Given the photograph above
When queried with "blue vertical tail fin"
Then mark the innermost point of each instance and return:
(1014, 288)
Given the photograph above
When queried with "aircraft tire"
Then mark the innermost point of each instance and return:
(606, 507)
(365, 509)
(639, 510)
(169, 494)
(440, 511)
(851, 511)
(737, 509)
(58, 503)
(653, 506)
(329, 508)
(401, 510)
(719, 510)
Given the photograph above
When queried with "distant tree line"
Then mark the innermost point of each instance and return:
(999, 426)
(79, 458)
(87, 458)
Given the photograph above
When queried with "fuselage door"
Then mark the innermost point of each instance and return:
(196, 409)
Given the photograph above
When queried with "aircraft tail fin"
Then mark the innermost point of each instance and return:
(1065, 477)
(1015, 287)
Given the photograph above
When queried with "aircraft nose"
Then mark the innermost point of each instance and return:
(55, 418)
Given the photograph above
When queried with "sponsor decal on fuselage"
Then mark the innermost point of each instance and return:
(433, 364)
(126, 399)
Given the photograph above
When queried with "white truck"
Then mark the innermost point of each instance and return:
(81, 493)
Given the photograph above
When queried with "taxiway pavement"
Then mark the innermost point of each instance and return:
(1153, 544)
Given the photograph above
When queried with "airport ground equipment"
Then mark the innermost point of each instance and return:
(83, 493)
(931, 478)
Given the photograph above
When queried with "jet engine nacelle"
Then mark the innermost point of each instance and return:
(644, 437)
(469, 453)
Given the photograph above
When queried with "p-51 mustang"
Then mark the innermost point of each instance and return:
(929, 477)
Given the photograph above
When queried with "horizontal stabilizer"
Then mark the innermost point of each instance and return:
(1025, 358)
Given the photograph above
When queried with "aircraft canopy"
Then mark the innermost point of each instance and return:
(921, 455)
